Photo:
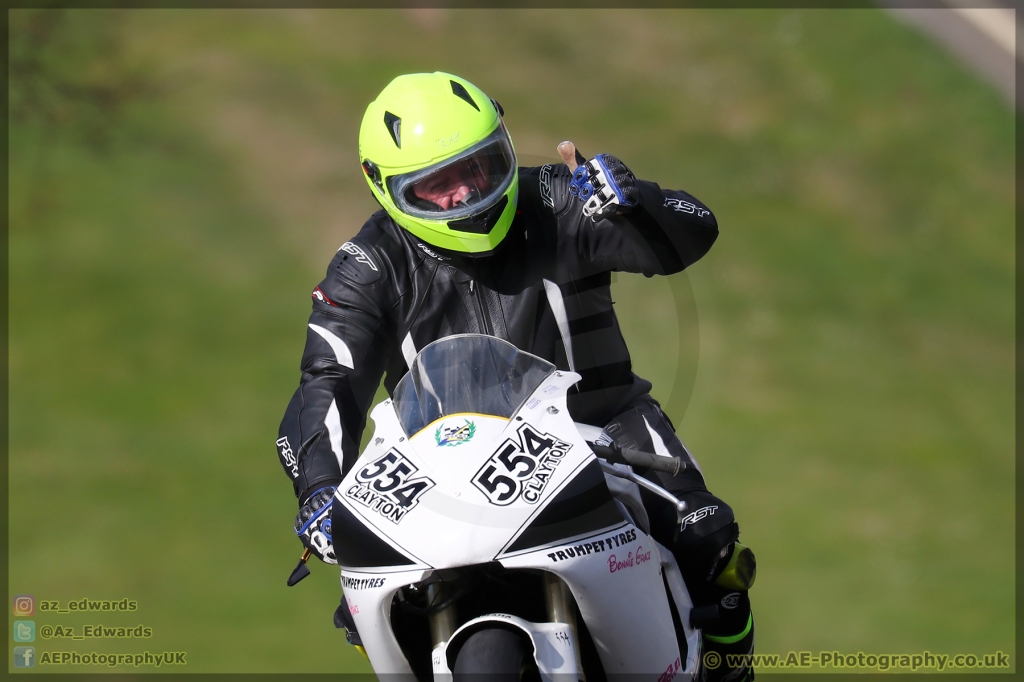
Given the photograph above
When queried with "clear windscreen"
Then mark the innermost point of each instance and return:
(466, 373)
(459, 186)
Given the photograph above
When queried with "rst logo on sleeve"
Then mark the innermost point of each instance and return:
(545, 185)
(389, 486)
(361, 257)
(520, 469)
(284, 448)
(696, 516)
(683, 206)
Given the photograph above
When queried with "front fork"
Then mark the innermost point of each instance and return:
(561, 608)
(442, 621)
(558, 602)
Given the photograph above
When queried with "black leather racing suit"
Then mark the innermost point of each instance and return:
(386, 295)
(546, 289)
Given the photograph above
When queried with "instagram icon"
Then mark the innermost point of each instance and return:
(24, 605)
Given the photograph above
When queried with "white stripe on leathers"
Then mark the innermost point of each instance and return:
(408, 350)
(333, 423)
(340, 348)
(557, 304)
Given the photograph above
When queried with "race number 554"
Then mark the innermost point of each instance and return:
(520, 468)
(394, 476)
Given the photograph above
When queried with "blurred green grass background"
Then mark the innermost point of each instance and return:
(841, 363)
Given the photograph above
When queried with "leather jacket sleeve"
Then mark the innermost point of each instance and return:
(668, 231)
(345, 355)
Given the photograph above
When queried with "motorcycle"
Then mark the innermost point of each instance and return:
(483, 531)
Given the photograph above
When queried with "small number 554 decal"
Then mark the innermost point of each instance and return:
(520, 469)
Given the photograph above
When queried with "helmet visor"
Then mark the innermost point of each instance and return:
(460, 186)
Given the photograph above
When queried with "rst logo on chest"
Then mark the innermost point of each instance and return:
(520, 469)
(389, 486)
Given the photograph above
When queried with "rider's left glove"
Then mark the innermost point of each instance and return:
(605, 186)
(313, 524)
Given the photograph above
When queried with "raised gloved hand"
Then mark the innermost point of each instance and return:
(604, 184)
(313, 524)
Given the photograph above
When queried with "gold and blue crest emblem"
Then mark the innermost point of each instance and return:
(455, 434)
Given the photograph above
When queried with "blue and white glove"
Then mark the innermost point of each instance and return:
(313, 524)
(605, 186)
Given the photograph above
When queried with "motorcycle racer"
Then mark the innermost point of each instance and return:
(468, 242)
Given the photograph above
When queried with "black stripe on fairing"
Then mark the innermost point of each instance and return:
(583, 506)
(356, 546)
(577, 286)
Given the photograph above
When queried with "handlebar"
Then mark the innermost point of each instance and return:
(638, 458)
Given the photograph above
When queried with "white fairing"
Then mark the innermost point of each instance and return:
(369, 598)
(454, 522)
(615, 577)
(462, 490)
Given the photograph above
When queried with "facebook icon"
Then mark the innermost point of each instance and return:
(24, 656)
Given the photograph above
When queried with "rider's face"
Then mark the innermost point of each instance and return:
(449, 186)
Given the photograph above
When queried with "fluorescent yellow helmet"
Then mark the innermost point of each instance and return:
(437, 157)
